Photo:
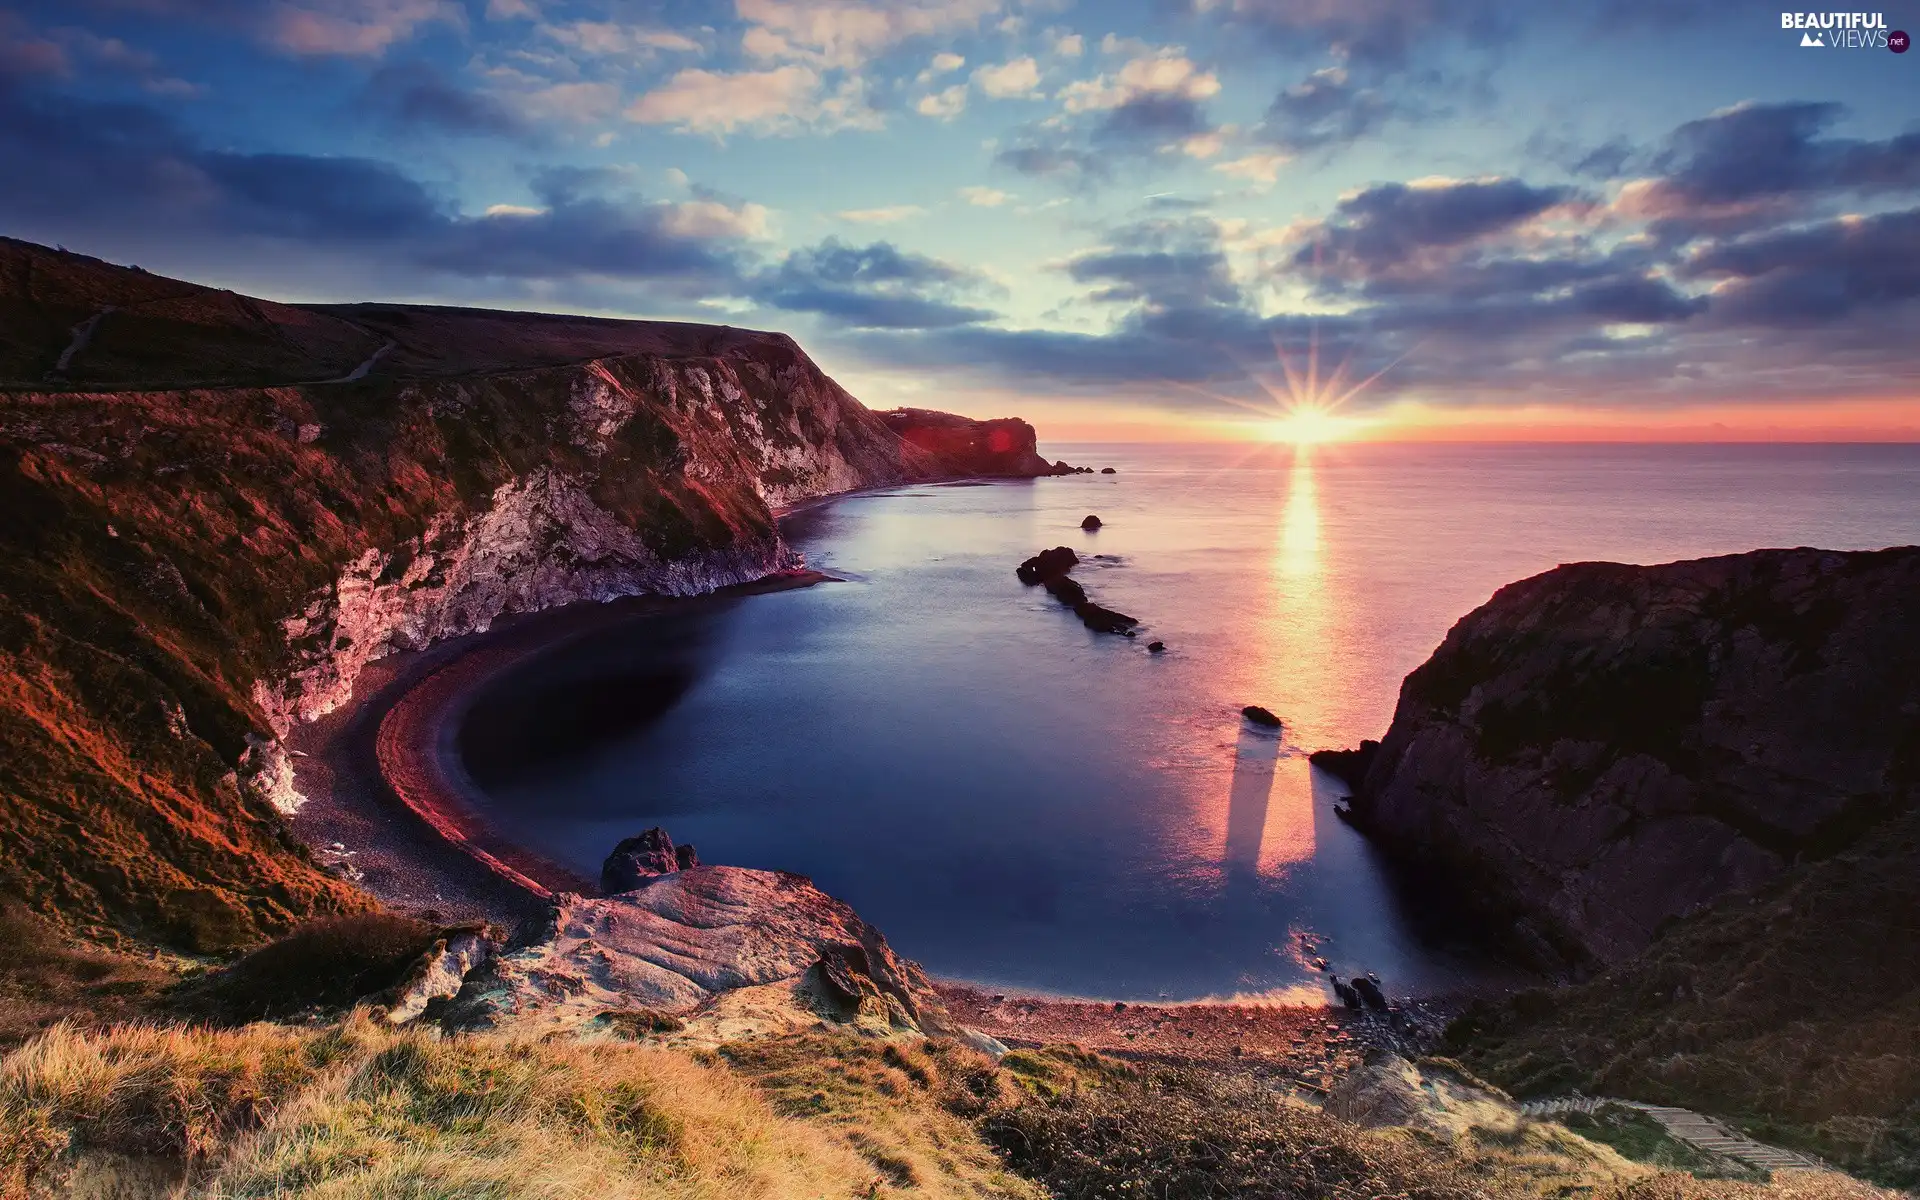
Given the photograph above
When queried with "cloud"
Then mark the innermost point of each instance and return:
(1815, 275)
(1394, 226)
(1055, 160)
(1166, 74)
(719, 102)
(1755, 163)
(945, 62)
(1008, 80)
(508, 10)
(124, 175)
(984, 197)
(882, 216)
(1326, 107)
(947, 103)
(415, 94)
(1365, 32)
(1071, 45)
(844, 34)
(712, 218)
(877, 286)
(1162, 265)
(1257, 168)
(603, 39)
(350, 28)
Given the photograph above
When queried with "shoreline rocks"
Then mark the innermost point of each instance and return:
(1348, 766)
(1260, 716)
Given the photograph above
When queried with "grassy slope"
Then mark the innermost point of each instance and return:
(356, 1110)
(1796, 1010)
(152, 538)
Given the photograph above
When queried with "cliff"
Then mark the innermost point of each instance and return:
(219, 509)
(1006, 446)
(1603, 749)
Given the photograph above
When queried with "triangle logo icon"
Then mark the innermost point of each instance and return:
(1812, 39)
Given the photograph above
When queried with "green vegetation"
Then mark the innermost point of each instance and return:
(1641, 1138)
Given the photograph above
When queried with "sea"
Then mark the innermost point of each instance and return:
(1021, 803)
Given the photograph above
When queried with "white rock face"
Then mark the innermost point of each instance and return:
(782, 430)
(724, 944)
(439, 974)
(542, 544)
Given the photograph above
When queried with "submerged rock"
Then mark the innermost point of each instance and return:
(1260, 716)
(1090, 523)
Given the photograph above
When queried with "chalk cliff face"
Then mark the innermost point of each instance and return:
(1603, 748)
(205, 546)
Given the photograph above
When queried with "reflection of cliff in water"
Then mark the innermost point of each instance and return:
(574, 703)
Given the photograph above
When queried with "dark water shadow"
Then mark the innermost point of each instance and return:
(572, 704)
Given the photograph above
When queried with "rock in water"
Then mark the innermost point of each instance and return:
(1047, 564)
(1104, 620)
(639, 860)
(1090, 523)
(1260, 716)
(1156, 647)
(1106, 470)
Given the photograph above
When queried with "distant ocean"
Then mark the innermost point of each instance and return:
(1016, 801)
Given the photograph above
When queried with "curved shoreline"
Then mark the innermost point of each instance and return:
(380, 784)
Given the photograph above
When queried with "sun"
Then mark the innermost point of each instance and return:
(1309, 425)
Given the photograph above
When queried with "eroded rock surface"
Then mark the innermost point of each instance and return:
(1603, 747)
(724, 950)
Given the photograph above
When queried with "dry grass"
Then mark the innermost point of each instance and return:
(360, 1111)
(44, 980)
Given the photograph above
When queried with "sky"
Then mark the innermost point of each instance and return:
(1123, 219)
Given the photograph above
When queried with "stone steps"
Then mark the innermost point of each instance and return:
(1695, 1129)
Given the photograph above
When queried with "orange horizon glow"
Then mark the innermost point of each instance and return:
(1895, 420)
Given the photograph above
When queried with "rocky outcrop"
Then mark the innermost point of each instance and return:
(1603, 748)
(725, 951)
(204, 547)
(1006, 446)
(638, 860)
(1348, 766)
(1263, 717)
(1049, 569)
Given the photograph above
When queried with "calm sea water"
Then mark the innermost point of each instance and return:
(1017, 801)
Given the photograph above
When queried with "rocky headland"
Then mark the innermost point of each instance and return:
(222, 509)
(1696, 787)
(1604, 749)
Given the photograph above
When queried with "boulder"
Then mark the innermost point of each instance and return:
(1067, 591)
(684, 856)
(1104, 620)
(638, 860)
(1260, 716)
(1090, 523)
(1156, 647)
(1106, 470)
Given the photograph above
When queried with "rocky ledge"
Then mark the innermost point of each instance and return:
(706, 953)
(1050, 568)
(1602, 749)
(1006, 446)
